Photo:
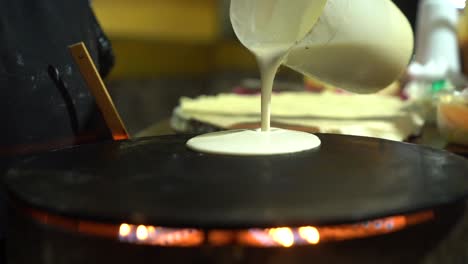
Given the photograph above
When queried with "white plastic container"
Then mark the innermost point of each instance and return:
(437, 51)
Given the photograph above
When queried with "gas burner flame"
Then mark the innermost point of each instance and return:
(124, 230)
(283, 236)
(310, 234)
(271, 237)
(254, 237)
(142, 233)
(160, 236)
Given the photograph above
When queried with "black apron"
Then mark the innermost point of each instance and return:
(38, 112)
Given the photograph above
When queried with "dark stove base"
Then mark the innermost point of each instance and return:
(442, 241)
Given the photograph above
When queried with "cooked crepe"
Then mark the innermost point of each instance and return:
(363, 115)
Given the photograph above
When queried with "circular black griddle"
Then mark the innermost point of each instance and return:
(158, 181)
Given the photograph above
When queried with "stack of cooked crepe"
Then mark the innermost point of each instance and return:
(363, 115)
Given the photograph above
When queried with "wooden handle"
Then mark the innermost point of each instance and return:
(92, 78)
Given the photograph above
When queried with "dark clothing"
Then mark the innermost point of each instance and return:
(36, 112)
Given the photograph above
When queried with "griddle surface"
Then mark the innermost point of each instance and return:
(158, 181)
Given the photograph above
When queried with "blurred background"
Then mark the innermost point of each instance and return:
(166, 49)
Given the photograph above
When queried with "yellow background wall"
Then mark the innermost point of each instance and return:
(168, 37)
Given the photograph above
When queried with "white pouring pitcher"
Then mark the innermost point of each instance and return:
(358, 45)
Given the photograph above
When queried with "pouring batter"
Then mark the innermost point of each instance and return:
(268, 29)
(273, 29)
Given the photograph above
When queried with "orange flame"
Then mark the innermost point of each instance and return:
(270, 237)
(142, 232)
(283, 236)
(310, 234)
(124, 230)
(151, 229)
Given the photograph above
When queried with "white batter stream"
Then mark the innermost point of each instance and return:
(264, 141)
